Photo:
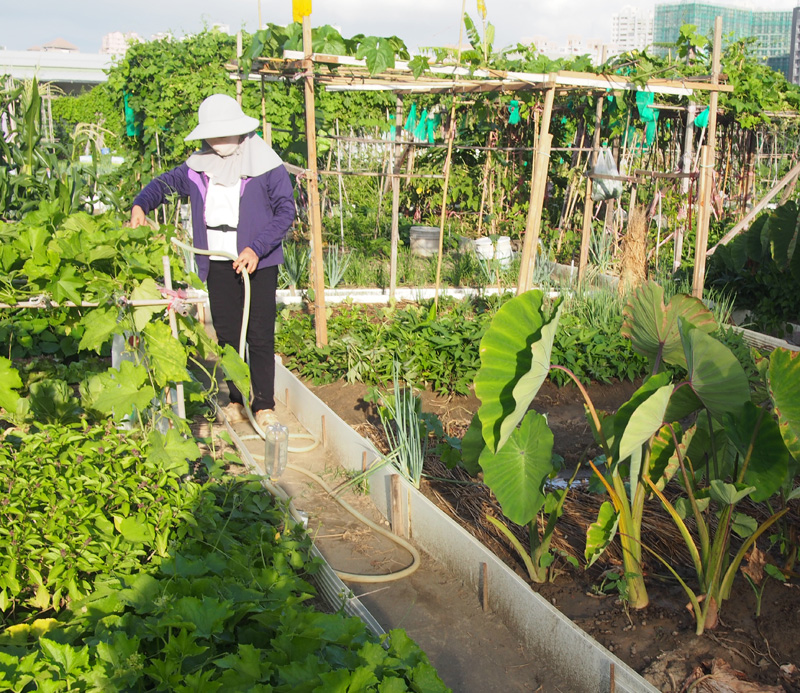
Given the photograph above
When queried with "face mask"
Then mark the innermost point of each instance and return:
(224, 149)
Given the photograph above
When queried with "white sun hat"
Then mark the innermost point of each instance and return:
(220, 116)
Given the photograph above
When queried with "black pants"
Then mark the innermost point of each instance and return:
(226, 296)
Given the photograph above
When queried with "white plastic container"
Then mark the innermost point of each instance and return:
(484, 248)
(424, 240)
(503, 252)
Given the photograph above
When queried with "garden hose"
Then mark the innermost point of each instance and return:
(277, 491)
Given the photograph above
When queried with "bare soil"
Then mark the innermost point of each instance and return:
(659, 641)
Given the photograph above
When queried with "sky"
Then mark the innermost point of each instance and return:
(418, 22)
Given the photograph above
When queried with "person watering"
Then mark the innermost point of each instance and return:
(242, 204)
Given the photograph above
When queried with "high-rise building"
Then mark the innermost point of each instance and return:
(116, 43)
(793, 70)
(772, 30)
(631, 29)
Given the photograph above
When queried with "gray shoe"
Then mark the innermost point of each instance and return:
(234, 412)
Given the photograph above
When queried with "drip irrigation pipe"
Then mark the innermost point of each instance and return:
(277, 491)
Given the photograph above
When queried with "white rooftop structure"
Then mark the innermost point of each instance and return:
(56, 66)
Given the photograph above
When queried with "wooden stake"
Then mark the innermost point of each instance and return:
(485, 586)
(451, 135)
(398, 120)
(688, 143)
(698, 278)
(485, 183)
(239, 53)
(538, 184)
(398, 516)
(286, 397)
(588, 206)
(317, 273)
(173, 325)
(612, 675)
(707, 169)
(266, 131)
(324, 433)
(364, 461)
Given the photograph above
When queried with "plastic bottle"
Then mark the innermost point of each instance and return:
(276, 450)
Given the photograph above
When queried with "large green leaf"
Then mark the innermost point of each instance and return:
(515, 360)
(52, 401)
(782, 228)
(715, 374)
(118, 392)
(135, 528)
(653, 327)
(171, 451)
(167, 354)
(9, 382)
(516, 474)
(757, 438)
(472, 445)
(663, 458)
(236, 370)
(67, 286)
(601, 532)
(99, 324)
(644, 422)
(784, 387)
(146, 291)
(623, 416)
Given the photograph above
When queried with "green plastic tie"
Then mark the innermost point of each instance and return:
(513, 112)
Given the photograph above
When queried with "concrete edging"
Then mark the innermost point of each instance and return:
(584, 664)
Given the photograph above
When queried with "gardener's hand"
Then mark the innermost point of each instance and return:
(247, 260)
(137, 217)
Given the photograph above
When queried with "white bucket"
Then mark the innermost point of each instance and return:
(484, 248)
(503, 251)
(424, 240)
(488, 251)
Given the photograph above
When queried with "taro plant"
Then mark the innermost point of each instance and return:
(517, 462)
(730, 454)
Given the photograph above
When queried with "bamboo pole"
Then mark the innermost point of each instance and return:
(485, 185)
(702, 229)
(317, 271)
(688, 143)
(398, 122)
(707, 169)
(173, 326)
(239, 53)
(538, 183)
(451, 136)
(588, 206)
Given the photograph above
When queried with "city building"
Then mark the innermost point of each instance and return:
(793, 69)
(631, 29)
(116, 43)
(772, 30)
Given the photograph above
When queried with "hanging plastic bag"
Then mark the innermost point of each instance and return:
(603, 188)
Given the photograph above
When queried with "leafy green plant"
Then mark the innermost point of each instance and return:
(82, 501)
(223, 608)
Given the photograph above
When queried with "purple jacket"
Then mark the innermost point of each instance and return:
(266, 210)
